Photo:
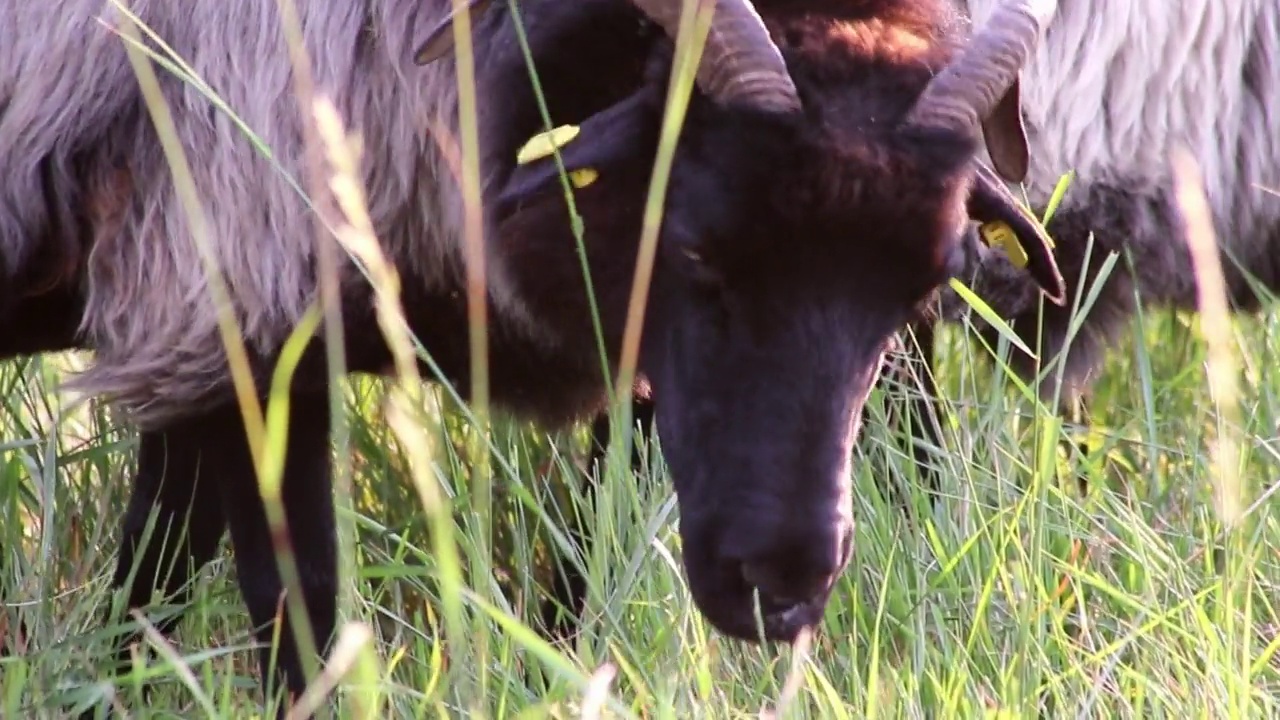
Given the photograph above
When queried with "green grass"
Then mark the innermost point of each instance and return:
(986, 606)
(1016, 593)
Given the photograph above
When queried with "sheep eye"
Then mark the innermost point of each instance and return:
(698, 269)
(698, 265)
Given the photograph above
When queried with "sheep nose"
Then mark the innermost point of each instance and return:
(801, 569)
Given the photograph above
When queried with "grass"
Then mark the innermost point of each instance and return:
(1151, 596)
(1116, 603)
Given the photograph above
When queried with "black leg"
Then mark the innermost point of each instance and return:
(924, 404)
(205, 464)
(914, 371)
(170, 486)
(569, 591)
(1077, 411)
(188, 521)
(307, 497)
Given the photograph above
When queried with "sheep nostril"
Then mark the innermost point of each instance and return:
(801, 571)
(781, 586)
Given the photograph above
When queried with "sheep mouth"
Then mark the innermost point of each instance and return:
(745, 614)
(783, 622)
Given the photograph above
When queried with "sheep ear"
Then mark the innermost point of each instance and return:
(605, 139)
(1008, 225)
(1006, 137)
(439, 41)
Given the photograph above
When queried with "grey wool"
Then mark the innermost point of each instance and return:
(78, 148)
(1113, 88)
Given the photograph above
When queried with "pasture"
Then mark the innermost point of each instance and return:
(1131, 601)
(1014, 595)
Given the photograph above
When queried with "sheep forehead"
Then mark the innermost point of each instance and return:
(878, 39)
(843, 220)
(856, 174)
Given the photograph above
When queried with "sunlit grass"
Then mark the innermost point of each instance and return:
(1110, 604)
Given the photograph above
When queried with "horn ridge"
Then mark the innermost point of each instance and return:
(740, 62)
(967, 90)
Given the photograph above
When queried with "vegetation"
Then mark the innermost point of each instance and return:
(1130, 601)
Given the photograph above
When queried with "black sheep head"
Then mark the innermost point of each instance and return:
(815, 204)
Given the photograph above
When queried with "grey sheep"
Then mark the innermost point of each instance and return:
(1109, 94)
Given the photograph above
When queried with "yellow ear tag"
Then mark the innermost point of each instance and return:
(999, 235)
(543, 144)
(583, 177)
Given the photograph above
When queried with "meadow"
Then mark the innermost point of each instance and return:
(1014, 594)
(1017, 593)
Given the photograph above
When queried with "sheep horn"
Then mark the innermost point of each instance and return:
(740, 62)
(965, 92)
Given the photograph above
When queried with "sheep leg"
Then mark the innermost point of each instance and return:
(307, 499)
(915, 371)
(31, 326)
(569, 589)
(184, 537)
(924, 420)
(1111, 220)
(1078, 411)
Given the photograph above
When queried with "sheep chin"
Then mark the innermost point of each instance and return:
(784, 625)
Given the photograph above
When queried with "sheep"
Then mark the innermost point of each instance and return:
(826, 183)
(1113, 90)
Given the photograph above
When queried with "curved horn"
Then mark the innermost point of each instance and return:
(965, 92)
(739, 61)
